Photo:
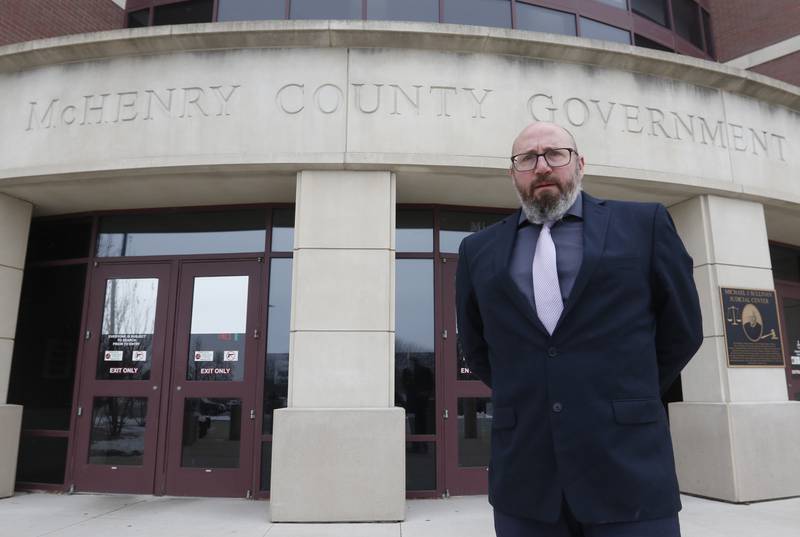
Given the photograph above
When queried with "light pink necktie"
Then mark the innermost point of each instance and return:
(546, 291)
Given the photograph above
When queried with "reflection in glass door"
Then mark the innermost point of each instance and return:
(211, 418)
(468, 406)
(123, 357)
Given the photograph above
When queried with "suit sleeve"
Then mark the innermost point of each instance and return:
(469, 322)
(679, 327)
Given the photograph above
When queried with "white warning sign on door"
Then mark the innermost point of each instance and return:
(203, 356)
(231, 356)
(112, 356)
(139, 356)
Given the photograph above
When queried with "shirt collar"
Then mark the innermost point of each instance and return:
(575, 210)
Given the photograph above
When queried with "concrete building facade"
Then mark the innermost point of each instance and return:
(238, 278)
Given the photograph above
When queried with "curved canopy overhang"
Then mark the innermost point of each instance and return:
(229, 112)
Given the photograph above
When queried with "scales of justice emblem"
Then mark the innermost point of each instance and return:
(751, 321)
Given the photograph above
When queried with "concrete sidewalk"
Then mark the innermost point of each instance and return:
(116, 515)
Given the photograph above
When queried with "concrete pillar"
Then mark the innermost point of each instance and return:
(15, 218)
(735, 434)
(338, 451)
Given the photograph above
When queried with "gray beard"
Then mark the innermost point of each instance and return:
(539, 213)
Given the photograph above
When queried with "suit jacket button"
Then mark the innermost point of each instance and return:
(552, 352)
(557, 407)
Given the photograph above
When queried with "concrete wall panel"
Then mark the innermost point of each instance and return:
(705, 379)
(341, 369)
(15, 217)
(345, 210)
(10, 287)
(362, 476)
(343, 290)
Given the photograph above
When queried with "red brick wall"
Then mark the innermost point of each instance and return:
(24, 20)
(786, 68)
(742, 26)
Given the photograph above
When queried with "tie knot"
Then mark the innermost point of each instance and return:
(549, 224)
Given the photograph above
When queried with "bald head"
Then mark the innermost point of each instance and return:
(549, 133)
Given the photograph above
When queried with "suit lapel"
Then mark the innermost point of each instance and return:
(502, 266)
(595, 225)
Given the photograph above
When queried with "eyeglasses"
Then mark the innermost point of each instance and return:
(555, 158)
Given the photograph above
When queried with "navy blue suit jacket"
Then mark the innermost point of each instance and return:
(579, 413)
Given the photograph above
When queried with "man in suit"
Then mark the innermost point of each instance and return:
(579, 313)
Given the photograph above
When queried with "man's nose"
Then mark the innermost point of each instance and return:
(541, 165)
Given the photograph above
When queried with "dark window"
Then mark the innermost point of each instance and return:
(282, 230)
(474, 431)
(244, 10)
(455, 225)
(420, 465)
(184, 12)
(641, 41)
(598, 30)
(42, 459)
(540, 19)
(212, 430)
(276, 374)
(686, 15)
(46, 345)
(182, 233)
(414, 231)
(785, 263)
(325, 9)
(479, 12)
(137, 19)
(52, 240)
(708, 34)
(655, 10)
(403, 10)
(622, 4)
(118, 427)
(415, 370)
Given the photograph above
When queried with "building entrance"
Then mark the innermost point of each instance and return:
(789, 307)
(168, 378)
(467, 402)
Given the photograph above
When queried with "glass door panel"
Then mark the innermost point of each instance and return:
(118, 431)
(126, 338)
(212, 431)
(217, 332)
(211, 419)
(122, 361)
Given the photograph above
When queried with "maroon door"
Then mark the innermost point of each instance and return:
(123, 359)
(467, 404)
(789, 307)
(211, 418)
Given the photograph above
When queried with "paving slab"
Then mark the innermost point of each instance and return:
(120, 515)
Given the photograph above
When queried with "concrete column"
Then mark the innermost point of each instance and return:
(735, 435)
(338, 451)
(15, 218)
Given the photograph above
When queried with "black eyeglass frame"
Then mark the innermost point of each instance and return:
(537, 155)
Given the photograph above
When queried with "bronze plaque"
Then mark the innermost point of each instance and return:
(752, 330)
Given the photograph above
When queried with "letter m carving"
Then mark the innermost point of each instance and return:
(46, 120)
